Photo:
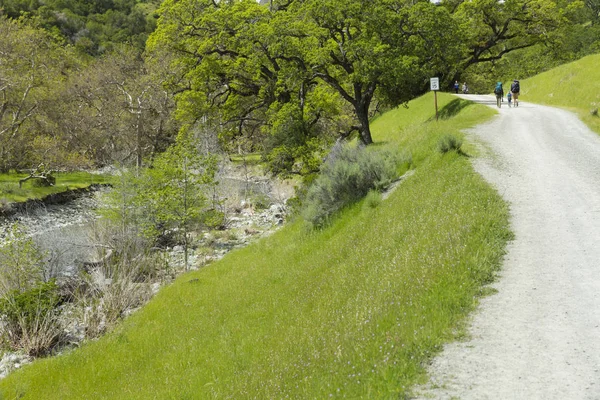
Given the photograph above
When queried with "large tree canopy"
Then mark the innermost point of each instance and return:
(301, 66)
(495, 28)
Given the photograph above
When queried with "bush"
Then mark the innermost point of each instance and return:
(213, 219)
(31, 318)
(347, 176)
(449, 143)
(260, 201)
(48, 180)
(373, 199)
(22, 262)
(107, 301)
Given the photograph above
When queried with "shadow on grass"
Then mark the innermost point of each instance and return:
(452, 109)
(380, 143)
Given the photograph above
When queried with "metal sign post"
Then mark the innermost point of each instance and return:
(434, 84)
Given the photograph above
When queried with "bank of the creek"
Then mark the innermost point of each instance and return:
(64, 230)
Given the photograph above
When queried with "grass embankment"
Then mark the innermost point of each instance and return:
(11, 192)
(352, 311)
(574, 86)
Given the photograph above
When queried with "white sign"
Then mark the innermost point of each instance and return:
(435, 83)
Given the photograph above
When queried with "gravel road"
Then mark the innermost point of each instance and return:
(538, 337)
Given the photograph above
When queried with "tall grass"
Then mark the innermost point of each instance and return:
(575, 86)
(350, 311)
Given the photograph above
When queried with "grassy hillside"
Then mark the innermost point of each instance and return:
(352, 311)
(575, 86)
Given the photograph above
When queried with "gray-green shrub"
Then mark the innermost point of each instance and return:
(346, 177)
(449, 143)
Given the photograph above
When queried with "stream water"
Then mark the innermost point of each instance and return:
(62, 231)
(65, 231)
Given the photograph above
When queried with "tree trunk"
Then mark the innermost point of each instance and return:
(362, 113)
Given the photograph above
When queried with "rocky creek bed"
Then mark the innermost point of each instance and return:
(64, 231)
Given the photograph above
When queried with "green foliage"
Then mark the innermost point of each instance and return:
(173, 189)
(213, 219)
(31, 61)
(553, 33)
(168, 198)
(92, 27)
(347, 176)
(10, 190)
(21, 260)
(44, 182)
(361, 306)
(30, 318)
(449, 143)
(69, 112)
(119, 204)
(291, 78)
(260, 201)
(523, 24)
(575, 86)
(373, 199)
(27, 303)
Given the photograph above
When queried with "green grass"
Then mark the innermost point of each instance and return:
(252, 158)
(352, 311)
(575, 86)
(11, 192)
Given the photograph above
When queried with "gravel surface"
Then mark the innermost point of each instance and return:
(538, 337)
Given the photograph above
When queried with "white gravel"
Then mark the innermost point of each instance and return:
(538, 337)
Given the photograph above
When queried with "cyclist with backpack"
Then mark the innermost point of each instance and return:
(515, 88)
(499, 92)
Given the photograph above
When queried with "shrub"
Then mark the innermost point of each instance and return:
(107, 302)
(449, 143)
(48, 180)
(31, 318)
(373, 199)
(21, 260)
(260, 201)
(213, 219)
(347, 176)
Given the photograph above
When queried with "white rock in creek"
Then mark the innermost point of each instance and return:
(12, 361)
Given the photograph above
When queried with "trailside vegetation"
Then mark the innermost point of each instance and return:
(575, 86)
(346, 177)
(353, 310)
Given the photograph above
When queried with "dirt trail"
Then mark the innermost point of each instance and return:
(538, 337)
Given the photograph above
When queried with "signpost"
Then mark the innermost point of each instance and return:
(435, 86)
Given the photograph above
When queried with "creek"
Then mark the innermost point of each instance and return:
(62, 231)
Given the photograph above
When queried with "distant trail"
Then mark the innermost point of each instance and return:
(539, 336)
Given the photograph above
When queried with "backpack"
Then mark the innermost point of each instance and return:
(515, 87)
(498, 89)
